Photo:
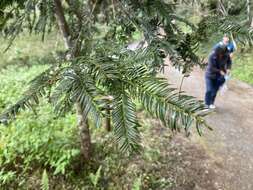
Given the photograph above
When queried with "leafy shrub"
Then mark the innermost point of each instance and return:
(32, 142)
(39, 142)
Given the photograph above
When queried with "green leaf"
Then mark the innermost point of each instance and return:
(45, 181)
(174, 110)
(125, 123)
(95, 177)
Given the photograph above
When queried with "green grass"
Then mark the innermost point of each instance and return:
(14, 82)
(26, 46)
(243, 67)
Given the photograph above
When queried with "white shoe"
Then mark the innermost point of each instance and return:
(212, 106)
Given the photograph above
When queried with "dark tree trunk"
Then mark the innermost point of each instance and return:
(62, 23)
(108, 119)
(83, 124)
(249, 13)
(84, 131)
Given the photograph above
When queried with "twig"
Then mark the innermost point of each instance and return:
(181, 85)
(113, 9)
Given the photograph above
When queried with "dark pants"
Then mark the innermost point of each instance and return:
(212, 87)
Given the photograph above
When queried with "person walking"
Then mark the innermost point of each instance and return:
(229, 44)
(219, 64)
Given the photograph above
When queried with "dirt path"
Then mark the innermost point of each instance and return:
(230, 145)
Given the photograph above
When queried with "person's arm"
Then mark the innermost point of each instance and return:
(231, 49)
(214, 65)
(229, 65)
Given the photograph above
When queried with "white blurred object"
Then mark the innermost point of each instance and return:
(227, 77)
(212, 106)
(224, 87)
(137, 45)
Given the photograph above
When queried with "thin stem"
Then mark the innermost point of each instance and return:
(113, 9)
(181, 85)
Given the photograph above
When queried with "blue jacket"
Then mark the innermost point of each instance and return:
(215, 65)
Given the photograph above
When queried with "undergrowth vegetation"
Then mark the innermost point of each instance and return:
(40, 151)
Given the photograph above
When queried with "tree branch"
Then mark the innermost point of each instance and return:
(63, 23)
